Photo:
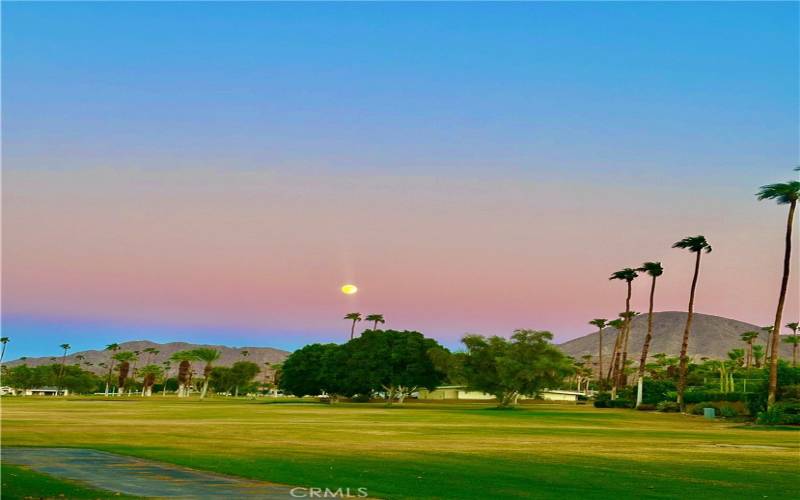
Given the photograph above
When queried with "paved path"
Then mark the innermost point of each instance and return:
(138, 477)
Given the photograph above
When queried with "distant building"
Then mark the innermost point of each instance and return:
(46, 391)
(463, 393)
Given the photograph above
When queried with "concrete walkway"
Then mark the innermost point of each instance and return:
(138, 477)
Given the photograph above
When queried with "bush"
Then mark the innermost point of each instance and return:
(723, 409)
(789, 392)
(361, 398)
(655, 391)
(668, 407)
(620, 403)
(646, 407)
(771, 416)
(706, 396)
(602, 399)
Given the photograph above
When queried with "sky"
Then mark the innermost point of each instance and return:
(213, 172)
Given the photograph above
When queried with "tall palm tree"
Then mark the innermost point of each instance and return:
(600, 323)
(4, 341)
(376, 318)
(355, 318)
(748, 338)
(124, 358)
(149, 375)
(627, 275)
(758, 354)
(184, 358)
(113, 348)
(696, 244)
(209, 356)
(66, 348)
(654, 270)
(785, 193)
(618, 325)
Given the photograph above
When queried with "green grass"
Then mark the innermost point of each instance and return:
(19, 483)
(428, 450)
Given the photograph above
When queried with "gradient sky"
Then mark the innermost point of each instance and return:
(214, 172)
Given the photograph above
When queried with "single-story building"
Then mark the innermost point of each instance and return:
(46, 391)
(462, 392)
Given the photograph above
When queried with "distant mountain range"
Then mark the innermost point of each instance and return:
(711, 336)
(228, 356)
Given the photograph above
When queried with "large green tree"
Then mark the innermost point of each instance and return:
(697, 245)
(654, 270)
(510, 368)
(785, 193)
(396, 363)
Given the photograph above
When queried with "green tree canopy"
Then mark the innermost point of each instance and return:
(508, 369)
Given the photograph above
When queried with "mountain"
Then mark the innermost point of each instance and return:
(229, 355)
(711, 336)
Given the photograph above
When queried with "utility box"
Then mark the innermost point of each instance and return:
(709, 413)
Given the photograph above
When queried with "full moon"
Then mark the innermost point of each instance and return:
(349, 289)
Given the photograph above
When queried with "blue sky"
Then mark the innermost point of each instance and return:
(697, 101)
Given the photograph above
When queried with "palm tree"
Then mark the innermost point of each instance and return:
(151, 352)
(4, 341)
(655, 270)
(749, 338)
(185, 359)
(627, 275)
(785, 193)
(793, 327)
(758, 354)
(376, 318)
(794, 340)
(209, 356)
(627, 318)
(113, 348)
(618, 325)
(167, 366)
(768, 329)
(124, 358)
(600, 323)
(149, 375)
(355, 318)
(66, 348)
(698, 245)
(244, 354)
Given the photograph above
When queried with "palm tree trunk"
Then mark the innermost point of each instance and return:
(623, 379)
(614, 352)
(684, 359)
(600, 355)
(649, 335)
(776, 329)
(353, 330)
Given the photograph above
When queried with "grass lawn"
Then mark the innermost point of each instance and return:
(428, 450)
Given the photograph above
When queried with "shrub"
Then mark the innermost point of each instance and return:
(646, 407)
(729, 411)
(706, 396)
(655, 391)
(771, 416)
(699, 408)
(361, 398)
(789, 392)
(602, 399)
(620, 403)
(668, 407)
